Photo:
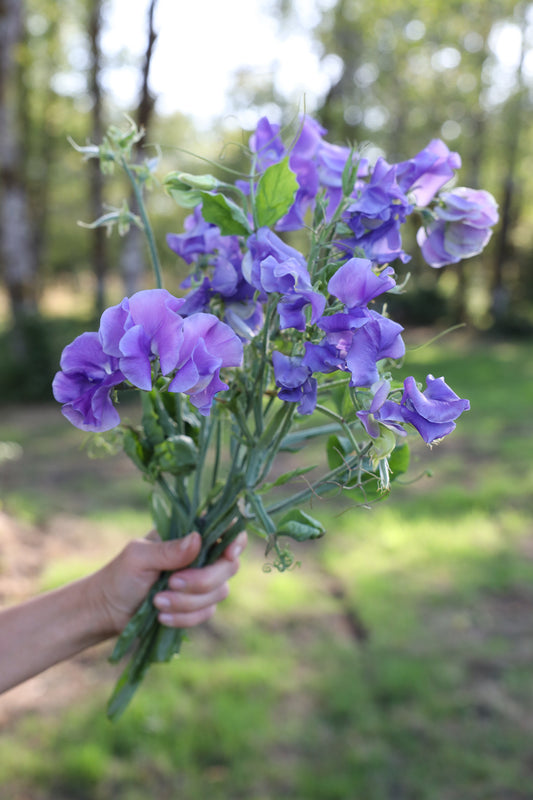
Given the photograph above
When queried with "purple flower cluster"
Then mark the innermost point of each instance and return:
(142, 337)
(432, 412)
(382, 204)
(154, 333)
(271, 266)
(355, 339)
(316, 163)
(203, 246)
(382, 199)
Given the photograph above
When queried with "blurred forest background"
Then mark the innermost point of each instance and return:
(391, 81)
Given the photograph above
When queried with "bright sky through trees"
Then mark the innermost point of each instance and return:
(201, 44)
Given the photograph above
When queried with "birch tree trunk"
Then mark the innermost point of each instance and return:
(17, 252)
(100, 260)
(132, 256)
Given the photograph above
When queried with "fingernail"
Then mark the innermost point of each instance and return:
(160, 601)
(165, 619)
(237, 551)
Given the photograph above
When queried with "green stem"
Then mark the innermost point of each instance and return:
(206, 431)
(261, 512)
(147, 228)
(318, 487)
(342, 422)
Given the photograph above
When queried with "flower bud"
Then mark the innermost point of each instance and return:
(181, 180)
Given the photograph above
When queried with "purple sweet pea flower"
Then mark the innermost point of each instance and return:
(226, 282)
(267, 144)
(207, 345)
(462, 228)
(302, 161)
(273, 266)
(428, 171)
(377, 214)
(323, 357)
(377, 412)
(356, 283)
(85, 382)
(245, 318)
(361, 339)
(379, 338)
(291, 279)
(200, 237)
(432, 412)
(198, 298)
(140, 329)
(294, 380)
(331, 161)
(261, 245)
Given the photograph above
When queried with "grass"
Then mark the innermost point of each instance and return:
(394, 663)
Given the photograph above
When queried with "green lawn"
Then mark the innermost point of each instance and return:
(396, 663)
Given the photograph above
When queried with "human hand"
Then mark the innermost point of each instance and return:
(192, 594)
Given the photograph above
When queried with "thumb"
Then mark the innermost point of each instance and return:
(173, 554)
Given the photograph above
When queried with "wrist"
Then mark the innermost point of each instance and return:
(97, 622)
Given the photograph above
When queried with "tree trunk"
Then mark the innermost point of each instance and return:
(132, 256)
(17, 253)
(96, 184)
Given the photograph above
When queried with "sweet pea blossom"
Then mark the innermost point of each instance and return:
(273, 266)
(426, 173)
(432, 412)
(377, 214)
(295, 382)
(200, 237)
(206, 346)
(226, 284)
(355, 283)
(88, 376)
(267, 144)
(140, 329)
(461, 229)
(376, 414)
(355, 342)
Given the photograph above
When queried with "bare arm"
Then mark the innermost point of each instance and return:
(56, 625)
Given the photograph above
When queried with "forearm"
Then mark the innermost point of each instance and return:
(47, 629)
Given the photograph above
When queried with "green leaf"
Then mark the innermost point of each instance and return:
(300, 526)
(340, 396)
(225, 214)
(166, 644)
(275, 193)
(186, 198)
(338, 448)
(182, 192)
(161, 514)
(349, 175)
(150, 420)
(134, 449)
(399, 460)
(123, 692)
(176, 454)
(205, 183)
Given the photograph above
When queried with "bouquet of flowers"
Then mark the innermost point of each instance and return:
(265, 339)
